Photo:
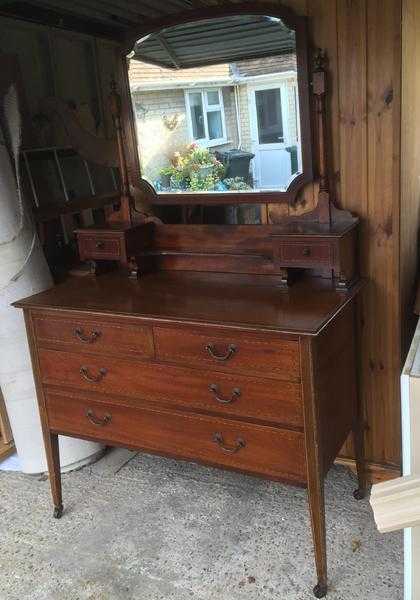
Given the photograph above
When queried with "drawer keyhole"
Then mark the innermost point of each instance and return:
(100, 244)
(306, 252)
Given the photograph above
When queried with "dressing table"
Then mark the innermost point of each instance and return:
(233, 346)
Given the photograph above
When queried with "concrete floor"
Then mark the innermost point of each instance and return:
(155, 529)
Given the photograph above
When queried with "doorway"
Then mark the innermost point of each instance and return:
(274, 133)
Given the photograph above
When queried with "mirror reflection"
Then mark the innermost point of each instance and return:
(216, 106)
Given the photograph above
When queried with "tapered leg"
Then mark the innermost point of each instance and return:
(53, 461)
(317, 512)
(314, 467)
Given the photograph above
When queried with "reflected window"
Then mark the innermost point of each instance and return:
(207, 118)
(269, 116)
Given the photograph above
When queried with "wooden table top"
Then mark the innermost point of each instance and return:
(221, 299)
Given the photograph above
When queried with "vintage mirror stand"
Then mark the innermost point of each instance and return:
(210, 343)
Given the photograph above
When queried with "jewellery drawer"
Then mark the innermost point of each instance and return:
(230, 395)
(304, 253)
(264, 450)
(236, 353)
(100, 247)
(81, 333)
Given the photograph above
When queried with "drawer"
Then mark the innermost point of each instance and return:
(304, 253)
(97, 247)
(236, 353)
(268, 451)
(81, 333)
(230, 395)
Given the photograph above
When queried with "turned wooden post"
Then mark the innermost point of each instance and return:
(319, 82)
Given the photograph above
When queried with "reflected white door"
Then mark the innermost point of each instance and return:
(269, 115)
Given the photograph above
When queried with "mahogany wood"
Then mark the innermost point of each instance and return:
(243, 384)
(204, 348)
(183, 435)
(215, 299)
(176, 386)
(70, 331)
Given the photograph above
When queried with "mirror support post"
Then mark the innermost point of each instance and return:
(319, 82)
(123, 214)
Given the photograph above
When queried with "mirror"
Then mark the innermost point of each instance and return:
(221, 107)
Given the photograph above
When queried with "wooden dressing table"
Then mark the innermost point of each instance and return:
(233, 346)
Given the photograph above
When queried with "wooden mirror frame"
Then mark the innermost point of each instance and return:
(292, 21)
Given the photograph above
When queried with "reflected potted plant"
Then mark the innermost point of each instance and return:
(193, 169)
(165, 175)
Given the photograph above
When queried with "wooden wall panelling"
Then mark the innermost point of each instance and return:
(352, 132)
(410, 165)
(363, 40)
(382, 305)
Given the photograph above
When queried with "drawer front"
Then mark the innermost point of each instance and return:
(264, 450)
(97, 247)
(247, 354)
(230, 395)
(89, 335)
(305, 253)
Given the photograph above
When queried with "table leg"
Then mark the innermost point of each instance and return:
(53, 461)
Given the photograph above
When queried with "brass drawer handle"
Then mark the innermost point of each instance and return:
(306, 252)
(87, 339)
(100, 244)
(100, 422)
(236, 392)
(84, 372)
(212, 351)
(218, 438)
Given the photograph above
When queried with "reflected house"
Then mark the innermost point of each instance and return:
(250, 105)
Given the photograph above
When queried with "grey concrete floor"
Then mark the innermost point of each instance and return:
(157, 529)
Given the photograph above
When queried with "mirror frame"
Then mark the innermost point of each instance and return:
(292, 21)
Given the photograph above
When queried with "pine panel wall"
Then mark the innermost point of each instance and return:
(363, 39)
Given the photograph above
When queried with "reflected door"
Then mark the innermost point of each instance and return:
(271, 141)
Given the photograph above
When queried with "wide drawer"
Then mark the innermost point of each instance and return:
(264, 450)
(236, 395)
(81, 333)
(239, 353)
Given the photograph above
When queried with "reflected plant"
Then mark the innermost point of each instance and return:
(237, 184)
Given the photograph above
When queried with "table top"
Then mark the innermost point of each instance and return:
(198, 298)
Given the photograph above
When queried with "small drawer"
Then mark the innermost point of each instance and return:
(269, 451)
(239, 353)
(90, 335)
(304, 253)
(231, 395)
(96, 247)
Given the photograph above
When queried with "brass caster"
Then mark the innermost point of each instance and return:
(58, 511)
(359, 494)
(320, 590)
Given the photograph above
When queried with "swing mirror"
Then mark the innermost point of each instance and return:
(221, 106)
